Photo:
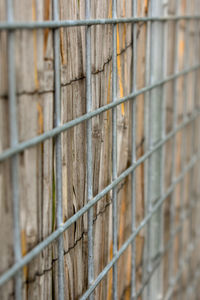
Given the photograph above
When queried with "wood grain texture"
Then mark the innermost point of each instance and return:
(37, 172)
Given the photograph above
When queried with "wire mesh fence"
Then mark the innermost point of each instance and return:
(151, 87)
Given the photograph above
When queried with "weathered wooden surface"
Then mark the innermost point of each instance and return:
(37, 178)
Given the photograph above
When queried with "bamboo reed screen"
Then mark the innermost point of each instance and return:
(99, 149)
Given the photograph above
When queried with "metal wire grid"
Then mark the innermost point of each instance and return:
(15, 271)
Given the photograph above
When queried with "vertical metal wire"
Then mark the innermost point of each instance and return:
(155, 132)
(193, 134)
(89, 149)
(173, 168)
(183, 154)
(13, 142)
(186, 58)
(148, 123)
(133, 154)
(195, 83)
(57, 121)
(149, 115)
(163, 134)
(163, 111)
(114, 146)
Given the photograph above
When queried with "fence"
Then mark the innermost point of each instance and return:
(93, 204)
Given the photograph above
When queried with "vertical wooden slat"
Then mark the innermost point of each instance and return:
(34, 75)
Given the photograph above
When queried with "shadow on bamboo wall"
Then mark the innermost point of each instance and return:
(37, 172)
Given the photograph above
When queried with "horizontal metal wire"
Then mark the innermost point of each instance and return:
(164, 251)
(35, 251)
(142, 224)
(74, 23)
(180, 271)
(195, 278)
(57, 130)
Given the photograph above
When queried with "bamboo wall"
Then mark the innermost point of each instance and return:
(37, 183)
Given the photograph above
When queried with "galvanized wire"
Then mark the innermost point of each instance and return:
(133, 151)
(153, 207)
(57, 120)
(89, 150)
(114, 149)
(75, 23)
(20, 147)
(37, 249)
(13, 143)
(173, 167)
(142, 224)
